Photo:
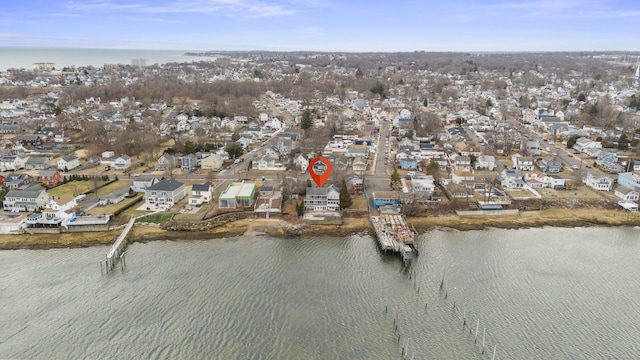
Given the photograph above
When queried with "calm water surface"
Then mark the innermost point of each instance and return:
(538, 293)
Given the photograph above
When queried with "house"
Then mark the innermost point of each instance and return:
(189, 163)
(533, 148)
(322, 199)
(141, 184)
(167, 162)
(301, 162)
(557, 183)
(37, 163)
(68, 162)
(62, 203)
(18, 180)
(266, 162)
(31, 199)
(241, 194)
(285, 145)
(357, 150)
(9, 163)
(583, 144)
(164, 194)
(211, 162)
(269, 200)
(422, 187)
(359, 164)
(354, 184)
(485, 162)
(629, 180)
(122, 162)
(601, 183)
(49, 178)
(522, 163)
(626, 193)
(113, 198)
(550, 165)
(511, 179)
(201, 193)
(385, 198)
(409, 163)
(537, 180)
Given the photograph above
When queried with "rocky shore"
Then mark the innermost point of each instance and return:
(280, 228)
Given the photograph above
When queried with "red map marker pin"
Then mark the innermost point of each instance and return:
(320, 170)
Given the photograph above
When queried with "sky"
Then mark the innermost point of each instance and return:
(324, 25)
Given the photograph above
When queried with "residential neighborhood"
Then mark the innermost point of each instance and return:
(238, 133)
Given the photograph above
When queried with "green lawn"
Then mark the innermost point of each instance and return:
(155, 218)
(74, 188)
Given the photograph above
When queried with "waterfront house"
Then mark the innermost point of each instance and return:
(511, 179)
(31, 199)
(385, 198)
(164, 194)
(200, 193)
(322, 199)
(629, 180)
(600, 183)
(626, 193)
(68, 162)
(240, 194)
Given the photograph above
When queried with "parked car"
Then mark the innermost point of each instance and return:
(588, 166)
(575, 167)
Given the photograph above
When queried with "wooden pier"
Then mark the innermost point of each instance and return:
(117, 249)
(394, 235)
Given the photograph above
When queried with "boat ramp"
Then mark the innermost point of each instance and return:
(394, 235)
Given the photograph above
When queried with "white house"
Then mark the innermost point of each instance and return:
(201, 193)
(487, 162)
(625, 193)
(511, 179)
(522, 163)
(141, 184)
(301, 162)
(602, 183)
(164, 194)
(25, 200)
(68, 162)
(122, 162)
(322, 199)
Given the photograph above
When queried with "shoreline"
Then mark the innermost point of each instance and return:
(257, 227)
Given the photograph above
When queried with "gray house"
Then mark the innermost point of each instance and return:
(37, 163)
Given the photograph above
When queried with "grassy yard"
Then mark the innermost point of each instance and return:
(113, 208)
(156, 218)
(74, 188)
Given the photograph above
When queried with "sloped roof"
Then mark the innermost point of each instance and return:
(166, 185)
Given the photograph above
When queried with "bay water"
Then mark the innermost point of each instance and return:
(550, 293)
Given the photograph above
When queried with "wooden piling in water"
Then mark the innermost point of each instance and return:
(494, 352)
(477, 326)
(484, 330)
(101, 272)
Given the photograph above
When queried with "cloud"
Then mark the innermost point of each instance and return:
(246, 8)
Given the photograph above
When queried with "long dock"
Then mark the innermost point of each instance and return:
(117, 249)
(394, 235)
